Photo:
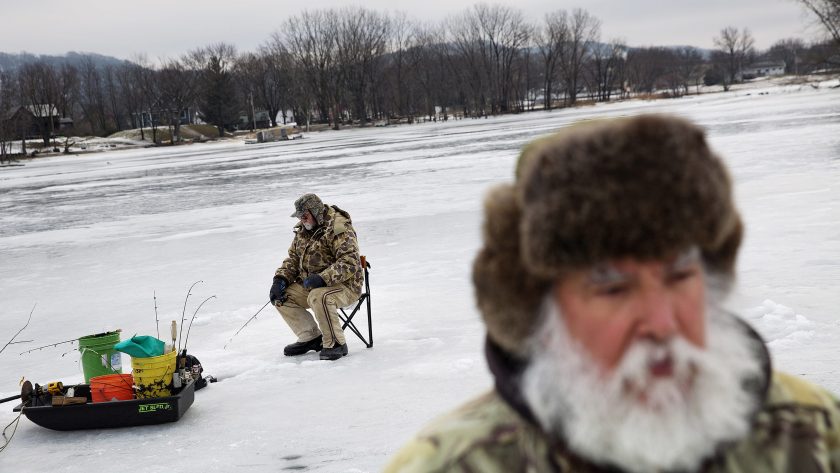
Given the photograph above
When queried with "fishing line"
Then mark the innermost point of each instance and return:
(8, 440)
(21, 330)
(246, 324)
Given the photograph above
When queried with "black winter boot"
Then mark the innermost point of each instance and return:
(334, 353)
(299, 348)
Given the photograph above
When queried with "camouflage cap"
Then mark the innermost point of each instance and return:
(310, 202)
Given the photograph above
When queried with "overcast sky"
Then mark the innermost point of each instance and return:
(168, 28)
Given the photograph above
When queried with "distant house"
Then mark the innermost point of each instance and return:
(764, 69)
(161, 118)
(261, 117)
(33, 121)
(12, 124)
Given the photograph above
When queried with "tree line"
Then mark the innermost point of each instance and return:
(358, 66)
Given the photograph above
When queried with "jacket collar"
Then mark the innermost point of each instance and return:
(507, 371)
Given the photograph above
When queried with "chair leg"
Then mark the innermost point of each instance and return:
(370, 321)
(347, 321)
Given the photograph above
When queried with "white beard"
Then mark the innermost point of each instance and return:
(308, 226)
(684, 418)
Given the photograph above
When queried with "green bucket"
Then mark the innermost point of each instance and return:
(98, 355)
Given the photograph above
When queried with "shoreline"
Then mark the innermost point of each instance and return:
(116, 143)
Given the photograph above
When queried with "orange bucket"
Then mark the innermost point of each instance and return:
(112, 387)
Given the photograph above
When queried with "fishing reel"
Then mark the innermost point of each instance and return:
(55, 388)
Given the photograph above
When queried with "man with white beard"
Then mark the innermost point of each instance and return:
(601, 282)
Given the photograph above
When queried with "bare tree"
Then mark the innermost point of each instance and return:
(685, 67)
(115, 98)
(509, 51)
(266, 77)
(464, 33)
(128, 76)
(141, 83)
(178, 85)
(301, 97)
(488, 39)
(92, 98)
(584, 32)
(646, 66)
(403, 60)
(7, 102)
(828, 13)
(68, 90)
(506, 33)
(39, 90)
(551, 38)
(606, 69)
(249, 73)
(151, 98)
(789, 51)
(736, 47)
(672, 78)
(527, 76)
(361, 41)
(438, 80)
(311, 39)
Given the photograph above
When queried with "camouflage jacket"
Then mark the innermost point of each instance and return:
(797, 429)
(331, 250)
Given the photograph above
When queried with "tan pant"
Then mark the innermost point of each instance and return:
(324, 302)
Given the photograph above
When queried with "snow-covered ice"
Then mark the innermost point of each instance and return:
(91, 238)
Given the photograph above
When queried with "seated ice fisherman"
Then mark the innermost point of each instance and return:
(322, 272)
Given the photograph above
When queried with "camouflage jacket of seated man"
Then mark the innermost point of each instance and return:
(796, 429)
(330, 250)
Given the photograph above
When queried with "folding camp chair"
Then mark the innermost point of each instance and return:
(364, 299)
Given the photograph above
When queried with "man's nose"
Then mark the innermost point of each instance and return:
(658, 314)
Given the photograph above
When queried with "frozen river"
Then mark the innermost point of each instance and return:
(91, 238)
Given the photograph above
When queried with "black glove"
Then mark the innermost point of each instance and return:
(278, 289)
(314, 281)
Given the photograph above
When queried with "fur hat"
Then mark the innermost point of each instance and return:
(313, 204)
(644, 187)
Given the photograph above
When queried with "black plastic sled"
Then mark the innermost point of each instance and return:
(106, 415)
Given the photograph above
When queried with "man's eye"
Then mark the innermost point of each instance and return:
(681, 275)
(611, 289)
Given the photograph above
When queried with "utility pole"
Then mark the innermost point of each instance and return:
(253, 116)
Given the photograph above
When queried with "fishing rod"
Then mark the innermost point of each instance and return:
(187, 338)
(10, 398)
(184, 312)
(12, 341)
(246, 324)
(66, 341)
(48, 346)
(157, 321)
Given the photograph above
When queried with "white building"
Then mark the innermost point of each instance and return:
(764, 69)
